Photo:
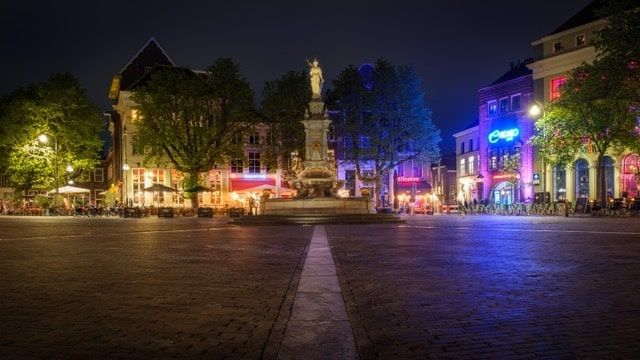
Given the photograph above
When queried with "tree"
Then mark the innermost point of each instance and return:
(60, 109)
(195, 121)
(599, 106)
(283, 106)
(385, 121)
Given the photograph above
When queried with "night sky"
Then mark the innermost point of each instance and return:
(457, 47)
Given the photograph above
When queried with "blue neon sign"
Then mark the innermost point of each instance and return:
(507, 135)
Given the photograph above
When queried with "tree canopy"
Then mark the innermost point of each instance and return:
(60, 109)
(194, 120)
(283, 106)
(384, 119)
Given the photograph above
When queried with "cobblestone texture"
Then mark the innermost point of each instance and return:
(492, 287)
(151, 288)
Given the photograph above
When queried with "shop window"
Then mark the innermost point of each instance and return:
(504, 105)
(560, 182)
(137, 180)
(556, 87)
(462, 168)
(607, 166)
(582, 179)
(157, 178)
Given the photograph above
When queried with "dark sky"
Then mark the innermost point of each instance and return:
(455, 46)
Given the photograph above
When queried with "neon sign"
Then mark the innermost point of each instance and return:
(507, 135)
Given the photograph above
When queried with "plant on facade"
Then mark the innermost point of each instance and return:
(60, 109)
(283, 106)
(598, 110)
(385, 121)
(194, 121)
(511, 168)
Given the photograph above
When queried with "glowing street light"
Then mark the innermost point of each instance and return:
(536, 110)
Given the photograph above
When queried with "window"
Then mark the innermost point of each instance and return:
(417, 169)
(135, 116)
(581, 40)
(98, 196)
(400, 170)
(462, 168)
(472, 163)
(492, 108)
(157, 177)
(98, 175)
(237, 138)
(462, 147)
(137, 178)
(470, 144)
(254, 139)
(494, 162)
(236, 166)
(254, 162)
(556, 87)
(504, 105)
(515, 102)
(557, 47)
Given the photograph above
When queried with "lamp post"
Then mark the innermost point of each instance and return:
(44, 139)
(536, 111)
(125, 167)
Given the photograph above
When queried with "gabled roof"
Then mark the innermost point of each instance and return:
(149, 56)
(144, 79)
(516, 71)
(588, 14)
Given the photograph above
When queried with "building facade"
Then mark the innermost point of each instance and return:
(555, 56)
(236, 184)
(469, 185)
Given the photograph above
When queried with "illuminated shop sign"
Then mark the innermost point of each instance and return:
(408, 179)
(250, 176)
(507, 135)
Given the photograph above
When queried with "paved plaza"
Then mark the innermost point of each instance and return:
(435, 287)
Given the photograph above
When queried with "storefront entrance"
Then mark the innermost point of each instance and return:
(503, 193)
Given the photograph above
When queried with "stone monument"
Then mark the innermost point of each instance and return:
(314, 177)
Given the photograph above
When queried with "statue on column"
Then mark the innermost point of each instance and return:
(315, 75)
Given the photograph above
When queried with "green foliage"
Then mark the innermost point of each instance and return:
(600, 104)
(387, 124)
(283, 106)
(60, 109)
(110, 198)
(193, 120)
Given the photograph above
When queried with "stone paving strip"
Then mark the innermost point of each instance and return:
(319, 327)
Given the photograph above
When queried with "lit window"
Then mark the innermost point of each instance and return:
(580, 40)
(471, 168)
(557, 47)
(462, 167)
(556, 87)
(494, 162)
(135, 115)
(492, 108)
(515, 102)
(504, 105)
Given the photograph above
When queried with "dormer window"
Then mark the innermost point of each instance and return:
(557, 47)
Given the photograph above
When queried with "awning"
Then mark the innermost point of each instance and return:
(252, 184)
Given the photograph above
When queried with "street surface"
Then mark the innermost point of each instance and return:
(436, 287)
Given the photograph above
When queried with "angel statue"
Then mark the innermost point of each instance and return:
(315, 74)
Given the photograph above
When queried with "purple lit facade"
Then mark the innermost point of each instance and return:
(504, 131)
